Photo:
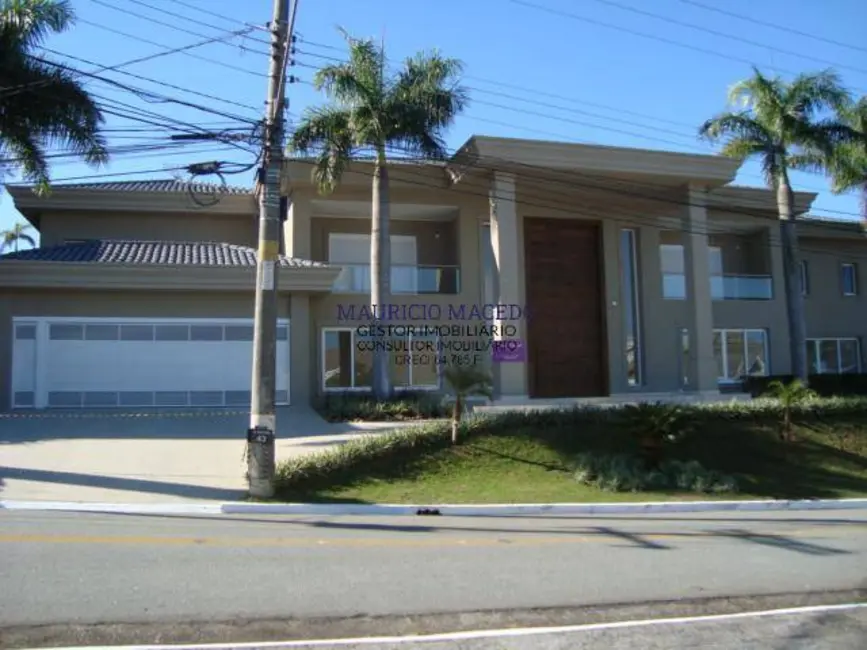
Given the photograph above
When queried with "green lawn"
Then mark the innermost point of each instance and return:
(528, 459)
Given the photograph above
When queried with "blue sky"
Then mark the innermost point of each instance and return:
(582, 70)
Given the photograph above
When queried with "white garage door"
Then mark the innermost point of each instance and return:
(103, 362)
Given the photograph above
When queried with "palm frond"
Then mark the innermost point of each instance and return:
(326, 132)
(759, 95)
(31, 21)
(735, 126)
(809, 94)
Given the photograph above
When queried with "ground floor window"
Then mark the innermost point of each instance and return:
(834, 356)
(740, 353)
(347, 360)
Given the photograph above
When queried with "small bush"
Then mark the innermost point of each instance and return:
(345, 407)
(826, 385)
(624, 473)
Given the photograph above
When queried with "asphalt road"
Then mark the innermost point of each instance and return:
(141, 577)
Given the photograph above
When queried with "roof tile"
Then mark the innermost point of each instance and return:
(168, 185)
(168, 253)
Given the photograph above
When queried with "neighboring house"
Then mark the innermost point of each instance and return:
(642, 272)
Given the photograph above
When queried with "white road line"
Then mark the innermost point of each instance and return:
(485, 634)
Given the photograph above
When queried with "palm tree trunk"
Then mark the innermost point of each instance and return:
(380, 272)
(863, 198)
(792, 276)
(457, 412)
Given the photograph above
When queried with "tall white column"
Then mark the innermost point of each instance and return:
(296, 230)
(505, 244)
(697, 262)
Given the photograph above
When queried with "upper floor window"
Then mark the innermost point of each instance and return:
(673, 266)
(805, 278)
(352, 251)
(849, 278)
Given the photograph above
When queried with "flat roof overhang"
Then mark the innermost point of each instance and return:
(132, 277)
(483, 154)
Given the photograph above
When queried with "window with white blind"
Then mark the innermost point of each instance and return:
(352, 251)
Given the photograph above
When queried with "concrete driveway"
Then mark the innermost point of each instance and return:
(135, 457)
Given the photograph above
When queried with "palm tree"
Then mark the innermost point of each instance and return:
(846, 163)
(789, 396)
(777, 121)
(42, 104)
(466, 382)
(375, 111)
(15, 235)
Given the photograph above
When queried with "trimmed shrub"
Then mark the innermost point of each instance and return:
(343, 407)
(823, 385)
(624, 473)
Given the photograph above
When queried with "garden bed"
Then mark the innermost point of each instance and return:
(533, 457)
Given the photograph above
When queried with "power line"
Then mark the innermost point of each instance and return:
(635, 32)
(781, 28)
(708, 30)
(161, 45)
(154, 81)
(693, 147)
(198, 21)
(143, 93)
(213, 13)
(116, 67)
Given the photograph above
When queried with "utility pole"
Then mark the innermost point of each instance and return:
(263, 415)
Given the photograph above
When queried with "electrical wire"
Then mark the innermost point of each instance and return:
(781, 28)
(734, 37)
(116, 67)
(514, 109)
(662, 39)
(223, 64)
(152, 80)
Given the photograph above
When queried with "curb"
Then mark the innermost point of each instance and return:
(446, 510)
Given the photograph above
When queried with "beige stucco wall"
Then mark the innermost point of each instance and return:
(56, 227)
(828, 312)
(95, 304)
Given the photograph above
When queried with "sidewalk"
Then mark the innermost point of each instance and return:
(149, 458)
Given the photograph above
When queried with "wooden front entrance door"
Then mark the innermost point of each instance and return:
(565, 328)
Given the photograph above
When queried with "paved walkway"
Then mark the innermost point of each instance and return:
(148, 458)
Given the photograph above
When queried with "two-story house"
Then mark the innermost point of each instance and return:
(626, 271)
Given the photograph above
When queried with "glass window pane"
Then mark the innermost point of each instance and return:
(757, 361)
(716, 260)
(424, 362)
(101, 332)
(684, 355)
(671, 258)
(849, 280)
(62, 332)
(849, 358)
(828, 362)
(337, 362)
(399, 360)
(630, 307)
(718, 355)
(363, 362)
(172, 332)
(735, 360)
(812, 356)
(206, 333)
(136, 333)
(241, 333)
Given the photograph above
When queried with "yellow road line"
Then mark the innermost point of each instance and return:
(430, 541)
